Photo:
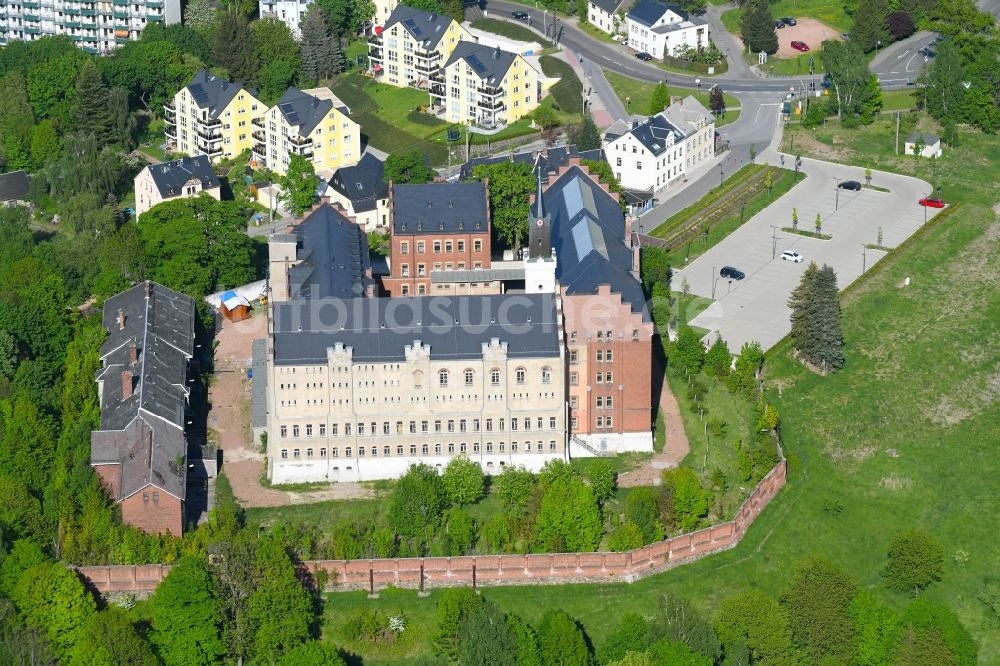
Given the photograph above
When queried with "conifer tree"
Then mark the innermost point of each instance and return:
(91, 113)
(717, 101)
(232, 47)
(827, 348)
(798, 302)
(587, 136)
(870, 24)
(758, 27)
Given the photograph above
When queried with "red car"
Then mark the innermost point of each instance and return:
(932, 202)
(800, 46)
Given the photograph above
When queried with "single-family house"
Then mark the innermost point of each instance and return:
(178, 179)
(662, 29)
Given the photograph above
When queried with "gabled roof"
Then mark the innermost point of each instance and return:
(213, 93)
(439, 208)
(364, 183)
(680, 25)
(654, 133)
(588, 234)
(685, 114)
(648, 12)
(426, 27)
(610, 6)
(170, 177)
(548, 161)
(150, 340)
(927, 137)
(490, 64)
(305, 109)
(13, 185)
(332, 256)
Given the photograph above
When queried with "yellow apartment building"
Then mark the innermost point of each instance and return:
(412, 46)
(211, 116)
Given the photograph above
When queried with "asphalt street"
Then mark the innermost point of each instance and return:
(755, 308)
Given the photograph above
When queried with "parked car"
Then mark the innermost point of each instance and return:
(788, 255)
(932, 202)
(520, 16)
(846, 36)
(788, 20)
(779, 24)
(732, 273)
(643, 56)
(850, 185)
(800, 46)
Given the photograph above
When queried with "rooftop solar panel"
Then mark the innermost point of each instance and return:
(412, 26)
(476, 63)
(199, 94)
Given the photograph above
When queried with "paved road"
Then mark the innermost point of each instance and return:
(756, 307)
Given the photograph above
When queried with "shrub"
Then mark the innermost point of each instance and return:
(900, 25)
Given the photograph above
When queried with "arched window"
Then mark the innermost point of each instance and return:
(495, 377)
(468, 376)
(442, 377)
(546, 375)
(519, 375)
(418, 379)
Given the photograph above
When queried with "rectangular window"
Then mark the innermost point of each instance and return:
(552, 423)
(599, 402)
(477, 246)
(600, 421)
(399, 450)
(361, 428)
(322, 430)
(573, 360)
(420, 247)
(462, 425)
(451, 425)
(608, 357)
(437, 426)
(607, 402)
(347, 451)
(607, 421)
(600, 356)
(527, 423)
(413, 427)
(475, 425)
(309, 430)
(295, 431)
(489, 425)
(574, 379)
(423, 427)
(335, 452)
(437, 247)
(404, 248)
(284, 431)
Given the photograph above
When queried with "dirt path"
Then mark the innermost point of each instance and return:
(229, 419)
(675, 446)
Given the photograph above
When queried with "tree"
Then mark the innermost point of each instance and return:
(587, 136)
(200, 15)
(562, 641)
(601, 171)
(659, 99)
(545, 118)
(818, 599)
(463, 481)
(915, 559)
(689, 352)
(454, 606)
(823, 316)
(900, 25)
(870, 24)
(757, 27)
(682, 623)
(871, 101)
(717, 101)
(848, 71)
(924, 617)
(314, 653)
(924, 648)
(416, 502)
(279, 606)
(123, 122)
(641, 509)
(21, 644)
(568, 519)
(945, 92)
(631, 635)
(510, 186)
(320, 49)
(661, 307)
(16, 116)
(52, 86)
(760, 623)
(877, 628)
(799, 300)
(514, 486)
(25, 554)
(627, 537)
(52, 598)
(528, 650)
(690, 498)
(8, 355)
(410, 167)
(718, 359)
(676, 653)
(275, 57)
(461, 531)
(108, 639)
(486, 638)
(602, 478)
(233, 47)
(90, 112)
(298, 185)
(654, 266)
(185, 616)
(152, 70)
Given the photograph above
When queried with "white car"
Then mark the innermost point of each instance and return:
(788, 255)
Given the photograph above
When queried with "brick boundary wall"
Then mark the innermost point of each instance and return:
(494, 570)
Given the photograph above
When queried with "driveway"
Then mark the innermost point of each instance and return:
(756, 307)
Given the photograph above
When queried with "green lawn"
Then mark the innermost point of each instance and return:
(905, 435)
(568, 92)
(508, 30)
(639, 93)
(902, 100)
(797, 66)
(830, 12)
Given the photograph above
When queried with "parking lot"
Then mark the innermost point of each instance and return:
(755, 308)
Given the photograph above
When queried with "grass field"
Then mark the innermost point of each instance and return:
(905, 435)
(639, 93)
(902, 100)
(797, 66)
(507, 29)
(568, 92)
(830, 12)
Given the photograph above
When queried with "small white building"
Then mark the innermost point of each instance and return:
(929, 144)
(607, 15)
(290, 12)
(661, 30)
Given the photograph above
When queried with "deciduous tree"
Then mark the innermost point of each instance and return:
(689, 352)
(602, 478)
(760, 623)
(659, 99)
(510, 184)
(314, 653)
(681, 622)
(52, 598)
(416, 502)
(562, 641)
(279, 606)
(185, 616)
(848, 70)
(298, 185)
(463, 481)
(914, 560)
(409, 167)
(641, 509)
(877, 628)
(923, 616)
(568, 519)
(632, 634)
(818, 599)
(109, 638)
(717, 359)
(514, 486)
(717, 101)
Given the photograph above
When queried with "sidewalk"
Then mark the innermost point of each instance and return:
(605, 107)
(725, 42)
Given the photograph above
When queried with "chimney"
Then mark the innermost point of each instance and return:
(133, 353)
(126, 384)
(121, 320)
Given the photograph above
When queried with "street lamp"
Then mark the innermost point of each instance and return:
(722, 175)
(864, 257)
(697, 82)
(878, 43)
(774, 241)
(836, 206)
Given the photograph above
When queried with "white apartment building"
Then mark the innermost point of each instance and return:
(290, 12)
(606, 15)
(660, 29)
(96, 27)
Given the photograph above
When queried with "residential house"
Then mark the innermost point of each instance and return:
(179, 179)
(362, 191)
(661, 29)
(140, 449)
(485, 86)
(290, 12)
(97, 28)
(412, 46)
(698, 126)
(546, 162)
(313, 123)
(212, 116)
(923, 144)
(607, 15)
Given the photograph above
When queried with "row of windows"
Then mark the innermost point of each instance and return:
(425, 449)
(422, 268)
(387, 428)
(603, 356)
(477, 246)
(602, 378)
(520, 376)
(603, 422)
(602, 335)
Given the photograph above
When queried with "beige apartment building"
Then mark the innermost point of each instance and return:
(412, 46)
(360, 388)
(178, 179)
(211, 116)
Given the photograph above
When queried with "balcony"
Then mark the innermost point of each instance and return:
(88, 12)
(71, 11)
(155, 4)
(155, 17)
(89, 26)
(31, 5)
(427, 55)
(121, 16)
(32, 30)
(490, 92)
(491, 104)
(427, 69)
(92, 50)
(374, 41)
(32, 17)
(375, 54)
(170, 131)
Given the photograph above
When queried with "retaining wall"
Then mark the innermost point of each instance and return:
(491, 570)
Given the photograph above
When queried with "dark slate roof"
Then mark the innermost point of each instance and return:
(488, 63)
(144, 432)
(170, 177)
(651, 133)
(364, 183)
(687, 23)
(649, 12)
(610, 6)
(258, 387)
(426, 27)
(439, 208)
(454, 327)
(588, 234)
(13, 185)
(548, 161)
(332, 254)
(303, 110)
(212, 92)
(928, 138)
